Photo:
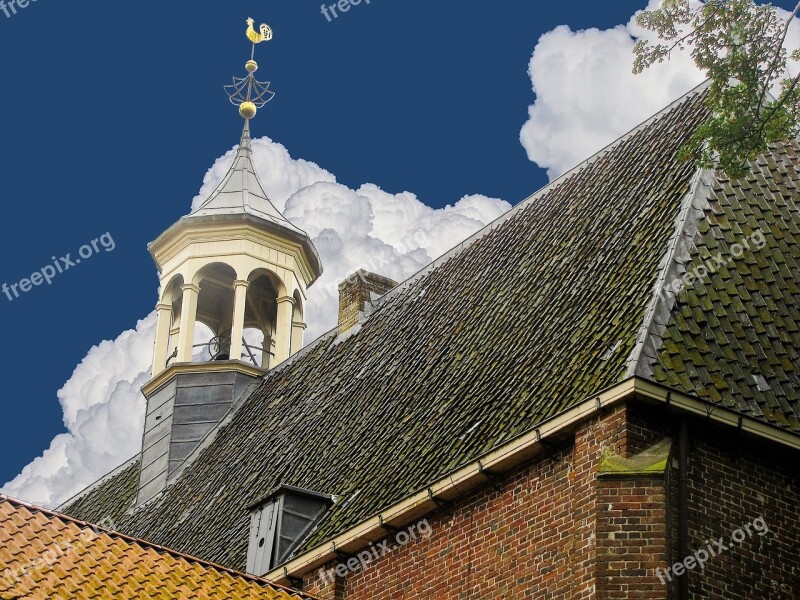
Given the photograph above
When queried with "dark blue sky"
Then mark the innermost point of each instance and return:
(112, 112)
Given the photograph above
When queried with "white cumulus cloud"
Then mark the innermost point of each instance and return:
(104, 415)
(587, 95)
(392, 234)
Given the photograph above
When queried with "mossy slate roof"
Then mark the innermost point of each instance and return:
(534, 314)
(734, 337)
(47, 555)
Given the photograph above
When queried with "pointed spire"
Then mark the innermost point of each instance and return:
(240, 197)
(244, 142)
(241, 191)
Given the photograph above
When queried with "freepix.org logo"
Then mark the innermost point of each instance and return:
(332, 11)
(362, 560)
(712, 548)
(10, 7)
(59, 265)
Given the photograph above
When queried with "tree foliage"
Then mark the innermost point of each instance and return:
(740, 47)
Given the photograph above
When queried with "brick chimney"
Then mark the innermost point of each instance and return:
(358, 291)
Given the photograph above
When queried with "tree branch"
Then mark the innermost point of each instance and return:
(774, 62)
(781, 101)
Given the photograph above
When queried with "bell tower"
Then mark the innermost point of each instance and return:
(234, 276)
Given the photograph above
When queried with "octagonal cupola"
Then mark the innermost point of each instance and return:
(234, 277)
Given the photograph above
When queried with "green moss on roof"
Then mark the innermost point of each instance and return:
(532, 316)
(734, 338)
(109, 498)
(651, 462)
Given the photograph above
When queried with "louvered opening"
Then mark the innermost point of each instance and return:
(279, 523)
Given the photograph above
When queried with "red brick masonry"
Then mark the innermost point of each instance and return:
(556, 530)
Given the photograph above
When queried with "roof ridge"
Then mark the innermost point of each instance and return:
(671, 269)
(489, 227)
(143, 543)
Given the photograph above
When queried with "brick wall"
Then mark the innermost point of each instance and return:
(631, 538)
(554, 530)
(535, 537)
(732, 481)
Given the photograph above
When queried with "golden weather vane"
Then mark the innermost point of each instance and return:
(246, 92)
(264, 35)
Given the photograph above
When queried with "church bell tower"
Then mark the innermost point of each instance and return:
(234, 276)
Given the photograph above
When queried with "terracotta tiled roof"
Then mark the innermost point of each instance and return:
(557, 300)
(45, 555)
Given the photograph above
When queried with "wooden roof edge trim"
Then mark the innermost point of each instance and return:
(454, 485)
(510, 455)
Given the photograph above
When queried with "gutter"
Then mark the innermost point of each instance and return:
(457, 484)
(518, 451)
(648, 390)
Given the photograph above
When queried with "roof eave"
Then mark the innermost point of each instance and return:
(511, 454)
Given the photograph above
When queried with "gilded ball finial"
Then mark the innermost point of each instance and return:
(247, 93)
(247, 110)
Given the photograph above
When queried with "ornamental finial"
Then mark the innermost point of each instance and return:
(246, 92)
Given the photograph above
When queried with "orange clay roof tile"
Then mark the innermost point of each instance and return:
(44, 554)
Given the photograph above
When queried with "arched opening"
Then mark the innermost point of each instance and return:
(171, 297)
(214, 317)
(260, 318)
(204, 345)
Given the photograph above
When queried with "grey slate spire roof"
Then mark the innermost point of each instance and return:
(240, 196)
(241, 192)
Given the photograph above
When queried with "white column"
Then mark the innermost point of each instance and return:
(298, 327)
(237, 325)
(188, 318)
(163, 326)
(283, 329)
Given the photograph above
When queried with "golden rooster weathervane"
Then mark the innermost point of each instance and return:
(246, 92)
(264, 35)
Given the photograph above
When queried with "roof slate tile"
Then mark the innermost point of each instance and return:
(526, 319)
